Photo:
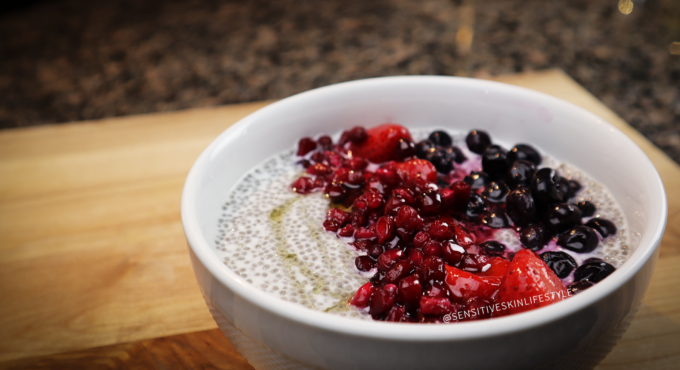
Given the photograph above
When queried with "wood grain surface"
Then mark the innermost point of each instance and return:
(94, 271)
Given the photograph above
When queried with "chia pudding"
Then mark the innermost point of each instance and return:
(274, 238)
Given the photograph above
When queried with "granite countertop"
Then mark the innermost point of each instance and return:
(67, 60)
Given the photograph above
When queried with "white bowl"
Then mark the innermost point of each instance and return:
(573, 334)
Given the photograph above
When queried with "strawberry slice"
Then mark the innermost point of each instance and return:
(529, 283)
(417, 168)
(465, 286)
(499, 266)
(381, 144)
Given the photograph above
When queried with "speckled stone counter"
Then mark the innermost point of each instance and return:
(68, 60)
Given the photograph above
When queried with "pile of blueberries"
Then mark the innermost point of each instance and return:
(511, 190)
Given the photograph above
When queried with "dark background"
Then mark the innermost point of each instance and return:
(67, 60)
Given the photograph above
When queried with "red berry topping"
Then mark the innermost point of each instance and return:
(305, 146)
(362, 297)
(435, 306)
(303, 185)
(384, 228)
(389, 258)
(408, 218)
(409, 291)
(383, 299)
(380, 145)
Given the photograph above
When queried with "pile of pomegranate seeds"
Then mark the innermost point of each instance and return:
(427, 237)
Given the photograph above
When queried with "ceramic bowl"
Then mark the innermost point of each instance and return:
(573, 334)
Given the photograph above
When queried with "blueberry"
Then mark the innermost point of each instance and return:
(561, 263)
(534, 237)
(494, 161)
(581, 239)
(477, 141)
(442, 159)
(493, 248)
(520, 206)
(564, 186)
(602, 226)
(496, 219)
(495, 192)
(574, 187)
(587, 208)
(579, 286)
(423, 148)
(593, 270)
(475, 206)
(460, 157)
(524, 152)
(440, 138)
(562, 217)
(545, 186)
(405, 149)
(520, 173)
(477, 179)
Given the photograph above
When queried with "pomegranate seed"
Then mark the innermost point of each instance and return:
(304, 163)
(364, 233)
(441, 229)
(363, 245)
(432, 269)
(435, 306)
(388, 175)
(474, 262)
(433, 248)
(319, 157)
(408, 218)
(405, 236)
(374, 199)
(358, 218)
(421, 239)
(363, 263)
(400, 270)
(416, 256)
(337, 215)
(397, 314)
(461, 195)
(319, 182)
(463, 238)
(409, 291)
(429, 203)
(356, 135)
(377, 278)
(325, 142)
(453, 253)
(335, 192)
(477, 303)
(384, 229)
(405, 149)
(318, 169)
(362, 297)
(447, 196)
(383, 299)
(357, 163)
(335, 160)
(346, 231)
(393, 204)
(303, 185)
(375, 250)
(305, 145)
(387, 260)
(404, 193)
(360, 203)
(437, 290)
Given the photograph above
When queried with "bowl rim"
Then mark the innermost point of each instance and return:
(399, 331)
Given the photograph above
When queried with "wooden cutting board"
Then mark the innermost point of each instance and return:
(94, 270)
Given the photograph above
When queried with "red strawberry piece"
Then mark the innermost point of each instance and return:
(415, 169)
(381, 144)
(362, 298)
(497, 267)
(465, 286)
(528, 283)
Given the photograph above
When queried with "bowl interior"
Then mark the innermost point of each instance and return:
(511, 115)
